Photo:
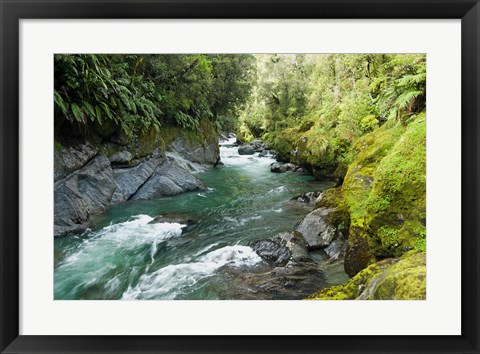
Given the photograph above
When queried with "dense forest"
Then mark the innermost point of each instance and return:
(357, 121)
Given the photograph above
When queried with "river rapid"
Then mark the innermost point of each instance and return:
(127, 257)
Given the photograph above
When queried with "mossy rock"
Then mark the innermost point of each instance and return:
(396, 207)
(358, 254)
(368, 152)
(391, 279)
(333, 199)
(147, 142)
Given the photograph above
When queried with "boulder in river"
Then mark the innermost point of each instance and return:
(282, 248)
(293, 274)
(308, 198)
(258, 145)
(316, 229)
(246, 149)
(279, 167)
(174, 217)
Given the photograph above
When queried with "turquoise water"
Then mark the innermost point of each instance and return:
(125, 257)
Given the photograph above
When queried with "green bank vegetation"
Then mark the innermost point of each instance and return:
(360, 118)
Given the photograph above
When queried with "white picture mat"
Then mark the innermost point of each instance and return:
(439, 314)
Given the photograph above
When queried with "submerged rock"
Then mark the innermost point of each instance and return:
(173, 217)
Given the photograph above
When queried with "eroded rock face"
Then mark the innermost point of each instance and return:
(129, 180)
(168, 179)
(90, 177)
(87, 191)
(207, 153)
(70, 159)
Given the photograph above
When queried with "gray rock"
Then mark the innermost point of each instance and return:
(120, 157)
(315, 229)
(309, 198)
(267, 153)
(231, 135)
(83, 193)
(129, 180)
(168, 179)
(336, 249)
(246, 149)
(293, 274)
(282, 248)
(96, 184)
(280, 167)
(69, 159)
(258, 145)
(71, 214)
(173, 217)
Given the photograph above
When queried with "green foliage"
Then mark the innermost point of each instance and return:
(137, 93)
(340, 97)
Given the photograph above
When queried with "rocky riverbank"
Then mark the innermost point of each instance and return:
(94, 173)
(374, 223)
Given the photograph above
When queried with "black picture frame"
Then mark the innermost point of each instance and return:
(13, 10)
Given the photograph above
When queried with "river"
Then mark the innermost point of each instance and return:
(126, 257)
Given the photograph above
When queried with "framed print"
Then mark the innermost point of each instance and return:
(215, 164)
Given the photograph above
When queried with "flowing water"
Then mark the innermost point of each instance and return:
(127, 257)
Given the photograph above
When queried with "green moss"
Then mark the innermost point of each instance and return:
(146, 142)
(391, 279)
(396, 207)
(204, 135)
(283, 143)
(367, 153)
(340, 216)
